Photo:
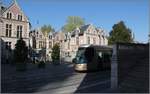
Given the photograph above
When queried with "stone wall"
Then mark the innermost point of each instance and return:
(125, 57)
(128, 57)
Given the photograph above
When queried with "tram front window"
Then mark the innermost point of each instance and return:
(80, 52)
(80, 57)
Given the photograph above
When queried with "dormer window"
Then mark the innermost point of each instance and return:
(9, 15)
(40, 36)
(20, 17)
(37, 34)
(50, 36)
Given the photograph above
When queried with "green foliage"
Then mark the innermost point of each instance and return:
(46, 29)
(72, 23)
(20, 54)
(21, 51)
(120, 33)
(55, 53)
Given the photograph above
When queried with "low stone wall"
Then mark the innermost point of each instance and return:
(125, 57)
(128, 56)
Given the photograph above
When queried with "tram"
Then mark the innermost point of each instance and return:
(92, 58)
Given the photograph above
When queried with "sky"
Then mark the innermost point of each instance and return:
(100, 13)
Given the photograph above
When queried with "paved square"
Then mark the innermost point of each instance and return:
(52, 79)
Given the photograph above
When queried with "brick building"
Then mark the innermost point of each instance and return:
(14, 24)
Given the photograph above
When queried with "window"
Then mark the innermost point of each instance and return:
(57, 38)
(68, 45)
(50, 36)
(8, 30)
(89, 53)
(77, 40)
(103, 40)
(9, 15)
(40, 36)
(10, 27)
(88, 40)
(37, 34)
(40, 44)
(94, 41)
(50, 44)
(19, 31)
(34, 42)
(20, 17)
(45, 44)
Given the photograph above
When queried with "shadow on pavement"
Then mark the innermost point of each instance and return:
(96, 80)
(34, 79)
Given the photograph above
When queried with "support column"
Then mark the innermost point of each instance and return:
(0, 57)
(114, 68)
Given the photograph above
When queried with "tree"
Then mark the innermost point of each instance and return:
(120, 33)
(20, 54)
(46, 29)
(72, 23)
(55, 54)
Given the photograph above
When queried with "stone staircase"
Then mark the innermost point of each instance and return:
(137, 79)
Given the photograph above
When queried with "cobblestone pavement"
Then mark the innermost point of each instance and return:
(52, 79)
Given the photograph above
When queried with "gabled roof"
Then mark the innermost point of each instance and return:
(67, 35)
(6, 8)
(14, 3)
(2, 9)
(84, 27)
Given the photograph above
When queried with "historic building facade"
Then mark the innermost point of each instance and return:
(43, 44)
(69, 42)
(14, 24)
(40, 43)
(86, 34)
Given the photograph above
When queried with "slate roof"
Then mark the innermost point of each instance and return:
(82, 29)
(2, 9)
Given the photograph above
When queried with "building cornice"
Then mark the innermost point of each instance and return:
(14, 20)
(12, 37)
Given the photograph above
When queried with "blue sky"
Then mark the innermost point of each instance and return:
(101, 13)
